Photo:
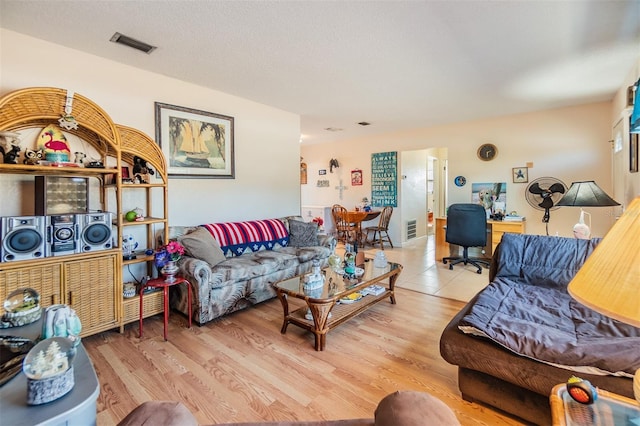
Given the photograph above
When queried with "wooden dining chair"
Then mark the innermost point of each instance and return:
(382, 228)
(345, 231)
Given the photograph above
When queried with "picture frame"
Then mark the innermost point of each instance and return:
(322, 172)
(520, 174)
(356, 177)
(196, 144)
(633, 152)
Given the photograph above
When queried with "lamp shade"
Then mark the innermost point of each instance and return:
(586, 194)
(608, 282)
(634, 123)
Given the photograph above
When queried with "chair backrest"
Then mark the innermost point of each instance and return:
(385, 217)
(339, 214)
(467, 225)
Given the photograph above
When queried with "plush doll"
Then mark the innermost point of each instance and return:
(32, 157)
(141, 170)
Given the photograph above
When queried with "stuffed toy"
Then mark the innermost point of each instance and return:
(141, 170)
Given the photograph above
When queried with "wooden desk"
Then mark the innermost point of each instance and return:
(495, 227)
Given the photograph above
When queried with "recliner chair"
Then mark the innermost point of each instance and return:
(466, 227)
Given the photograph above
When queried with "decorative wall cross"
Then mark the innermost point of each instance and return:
(341, 188)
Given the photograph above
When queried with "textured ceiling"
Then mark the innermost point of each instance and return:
(396, 64)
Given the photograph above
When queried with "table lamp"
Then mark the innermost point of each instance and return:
(585, 194)
(609, 280)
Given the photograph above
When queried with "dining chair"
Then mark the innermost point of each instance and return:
(466, 227)
(345, 231)
(382, 227)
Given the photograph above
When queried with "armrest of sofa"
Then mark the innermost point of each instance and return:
(198, 273)
(327, 241)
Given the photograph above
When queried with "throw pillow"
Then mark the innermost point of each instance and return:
(303, 234)
(201, 245)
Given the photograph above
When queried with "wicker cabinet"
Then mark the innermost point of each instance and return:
(90, 282)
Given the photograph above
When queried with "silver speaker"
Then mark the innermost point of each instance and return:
(63, 234)
(95, 231)
(23, 238)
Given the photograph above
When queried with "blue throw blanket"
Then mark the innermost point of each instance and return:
(528, 310)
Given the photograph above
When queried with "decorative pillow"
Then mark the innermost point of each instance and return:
(303, 234)
(201, 245)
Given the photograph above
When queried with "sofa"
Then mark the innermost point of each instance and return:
(400, 408)
(523, 334)
(233, 265)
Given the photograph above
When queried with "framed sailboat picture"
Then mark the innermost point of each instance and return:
(197, 144)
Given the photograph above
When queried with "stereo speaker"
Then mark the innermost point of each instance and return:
(63, 234)
(95, 231)
(22, 238)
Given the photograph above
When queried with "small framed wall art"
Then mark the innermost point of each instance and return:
(356, 177)
(520, 174)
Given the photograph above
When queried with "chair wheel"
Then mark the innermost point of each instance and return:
(479, 271)
(451, 267)
(444, 261)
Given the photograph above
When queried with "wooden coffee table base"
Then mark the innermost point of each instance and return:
(326, 313)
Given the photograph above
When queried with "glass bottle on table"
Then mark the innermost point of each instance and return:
(349, 259)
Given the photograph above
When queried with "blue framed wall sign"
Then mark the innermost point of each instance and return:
(384, 179)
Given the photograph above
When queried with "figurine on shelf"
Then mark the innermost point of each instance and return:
(33, 157)
(10, 156)
(79, 157)
(141, 170)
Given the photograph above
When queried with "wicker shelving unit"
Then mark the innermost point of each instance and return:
(89, 282)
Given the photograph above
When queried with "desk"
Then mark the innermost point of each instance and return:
(494, 227)
(356, 218)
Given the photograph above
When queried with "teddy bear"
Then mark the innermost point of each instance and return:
(141, 170)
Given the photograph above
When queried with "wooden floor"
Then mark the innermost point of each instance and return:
(241, 368)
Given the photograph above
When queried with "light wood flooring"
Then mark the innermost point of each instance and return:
(241, 368)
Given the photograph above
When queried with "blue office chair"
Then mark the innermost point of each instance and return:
(466, 227)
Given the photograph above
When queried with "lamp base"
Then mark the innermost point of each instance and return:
(581, 231)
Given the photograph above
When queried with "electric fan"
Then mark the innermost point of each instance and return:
(543, 194)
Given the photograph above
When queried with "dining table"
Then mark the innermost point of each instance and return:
(356, 217)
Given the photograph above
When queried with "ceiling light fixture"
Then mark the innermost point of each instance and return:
(364, 123)
(132, 42)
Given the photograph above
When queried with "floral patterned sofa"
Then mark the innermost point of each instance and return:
(233, 265)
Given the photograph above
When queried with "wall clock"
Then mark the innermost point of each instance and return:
(460, 180)
(487, 152)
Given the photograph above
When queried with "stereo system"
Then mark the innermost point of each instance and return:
(34, 237)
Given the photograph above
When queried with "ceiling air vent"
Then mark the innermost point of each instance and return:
(131, 42)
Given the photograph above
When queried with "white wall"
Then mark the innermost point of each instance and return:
(267, 151)
(570, 144)
(413, 191)
(629, 183)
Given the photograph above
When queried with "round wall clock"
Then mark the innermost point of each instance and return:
(487, 152)
(460, 180)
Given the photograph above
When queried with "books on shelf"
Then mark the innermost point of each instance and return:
(374, 290)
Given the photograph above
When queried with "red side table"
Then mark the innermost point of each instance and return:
(164, 285)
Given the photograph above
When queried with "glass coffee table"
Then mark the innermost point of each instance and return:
(336, 300)
(609, 409)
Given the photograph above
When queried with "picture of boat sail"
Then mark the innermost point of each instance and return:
(196, 143)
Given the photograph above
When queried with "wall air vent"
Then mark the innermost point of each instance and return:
(131, 42)
(412, 228)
